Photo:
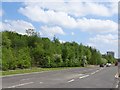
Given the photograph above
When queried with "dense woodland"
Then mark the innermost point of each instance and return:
(26, 51)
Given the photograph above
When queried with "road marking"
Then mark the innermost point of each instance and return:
(20, 85)
(93, 73)
(71, 80)
(116, 86)
(84, 76)
(97, 71)
(81, 74)
(41, 82)
(24, 79)
(116, 76)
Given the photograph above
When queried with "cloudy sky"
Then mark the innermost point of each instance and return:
(90, 23)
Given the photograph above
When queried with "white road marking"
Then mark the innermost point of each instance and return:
(97, 71)
(93, 73)
(81, 74)
(71, 80)
(41, 82)
(116, 86)
(24, 79)
(84, 76)
(116, 76)
(20, 85)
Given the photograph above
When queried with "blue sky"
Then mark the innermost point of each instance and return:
(90, 23)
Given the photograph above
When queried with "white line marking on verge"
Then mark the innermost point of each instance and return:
(20, 85)
(84, 76)
(71, 80)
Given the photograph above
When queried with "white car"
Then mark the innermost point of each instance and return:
(108, 64)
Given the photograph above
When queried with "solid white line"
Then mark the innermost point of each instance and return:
(71, 80)
(20, 85)
(84, 76)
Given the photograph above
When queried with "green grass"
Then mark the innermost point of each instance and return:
(35, 69)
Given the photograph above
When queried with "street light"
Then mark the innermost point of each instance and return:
(83, 60)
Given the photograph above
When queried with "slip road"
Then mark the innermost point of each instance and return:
(94, 77)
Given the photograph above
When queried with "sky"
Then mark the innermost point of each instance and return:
(90, 23)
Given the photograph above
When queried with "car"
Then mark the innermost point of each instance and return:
(108, 64)
(116, 63)
(102, 65)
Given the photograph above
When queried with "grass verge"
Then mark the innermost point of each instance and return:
(34, 69)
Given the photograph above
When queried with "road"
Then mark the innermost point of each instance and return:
(94, 77)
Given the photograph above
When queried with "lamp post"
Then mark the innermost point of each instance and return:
(118, 76)
(84, 61)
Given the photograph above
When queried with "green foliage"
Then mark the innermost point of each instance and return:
(25, 51)
(109, 58)
(103, 61)
(8, 59)
(23, 58)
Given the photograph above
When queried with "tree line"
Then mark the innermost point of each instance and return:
(26, 51)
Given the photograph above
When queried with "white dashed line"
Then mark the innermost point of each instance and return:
(41, 82)
(84, 76)
(117, 86)
(97, 71)
(20, 85)
(24, 79)
(81, 74)
(71, 80)
(93, 73)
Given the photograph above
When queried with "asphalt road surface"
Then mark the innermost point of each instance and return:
(94, 77)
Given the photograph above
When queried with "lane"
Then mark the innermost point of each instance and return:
(104, 78)
(45, 79)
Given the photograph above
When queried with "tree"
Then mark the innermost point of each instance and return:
(8, 59)
(25, 51)
(24, 59)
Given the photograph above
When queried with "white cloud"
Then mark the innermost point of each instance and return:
(1, 28)
(62, 41)
(18, 26)
(106, 39)
(51, 31)
(108, 42)
(1, 12)
(78, 8)
(48, 17)
(52, 17)
(97, 25)
(60, 0)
